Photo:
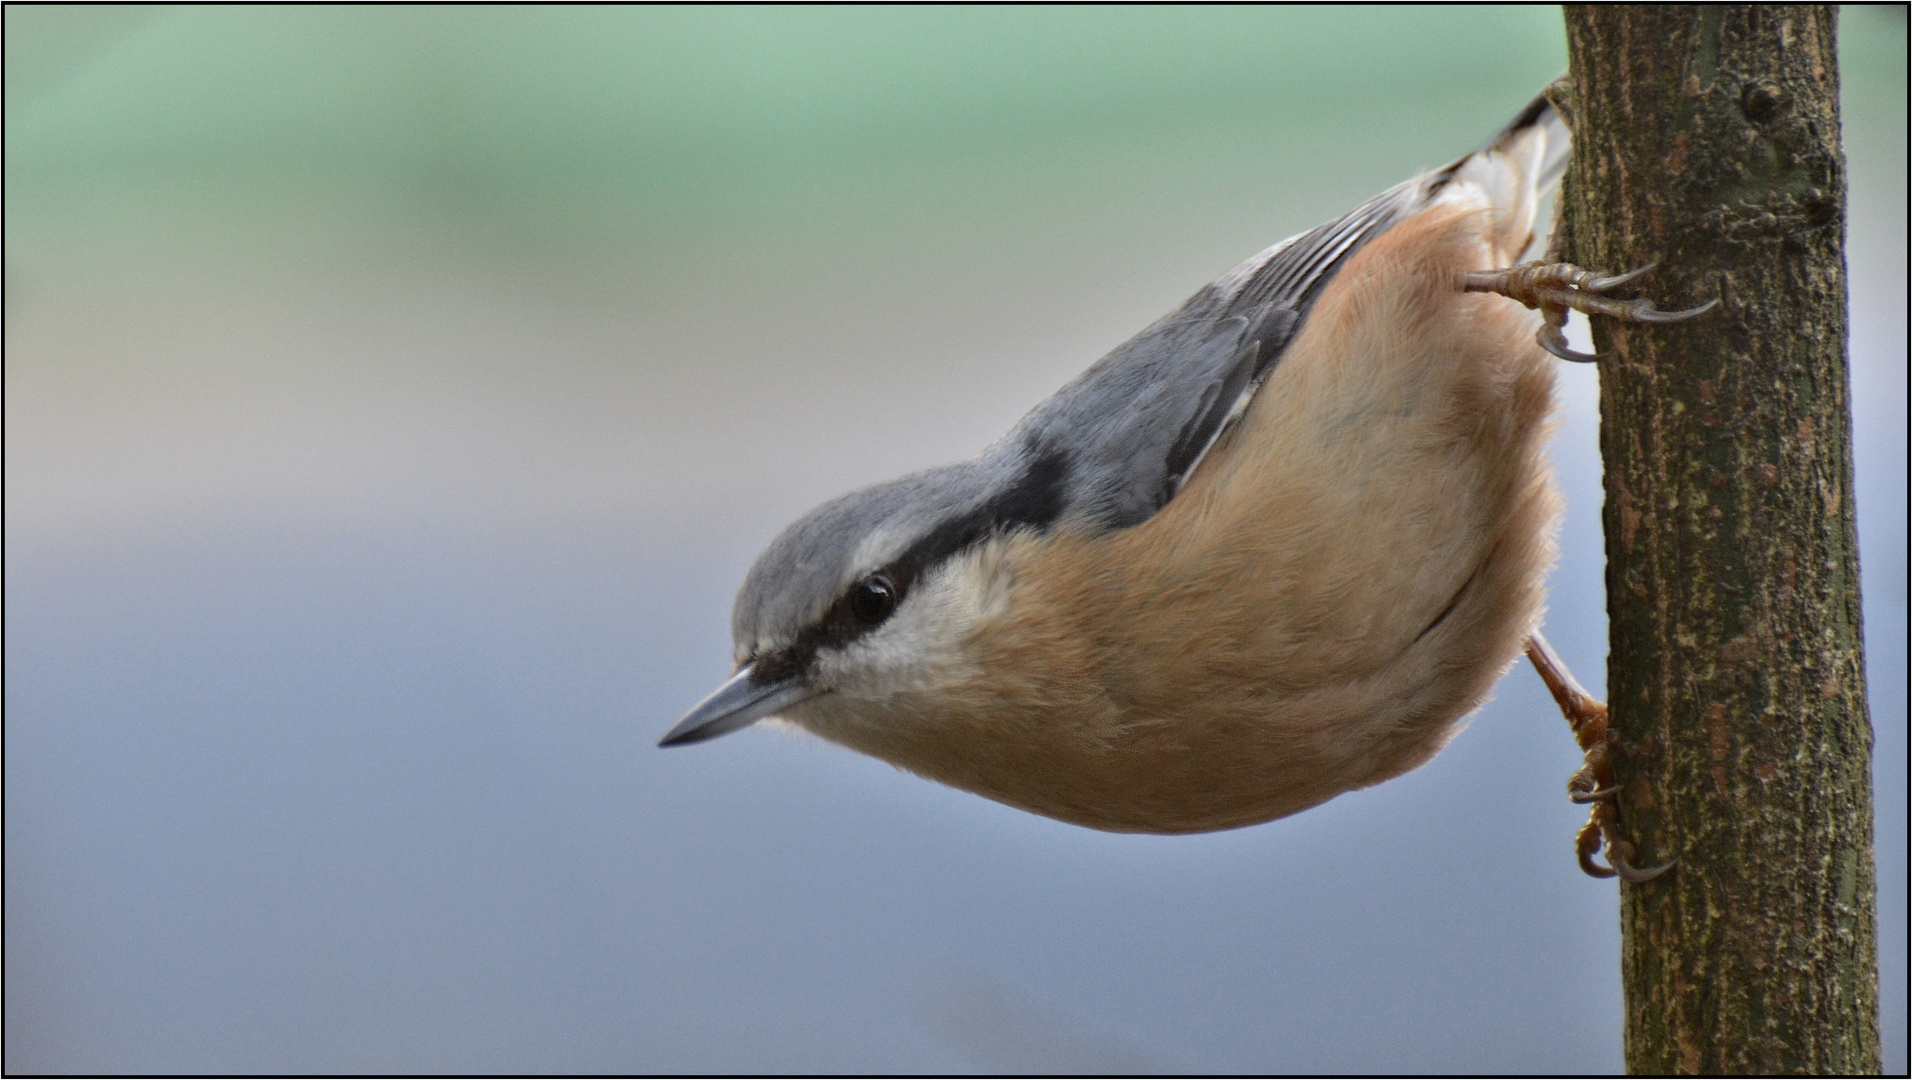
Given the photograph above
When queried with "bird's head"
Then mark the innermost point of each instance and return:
(874, 593)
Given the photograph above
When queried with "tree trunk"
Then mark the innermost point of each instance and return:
(1707, 137)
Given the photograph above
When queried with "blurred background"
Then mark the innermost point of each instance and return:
(396, 396)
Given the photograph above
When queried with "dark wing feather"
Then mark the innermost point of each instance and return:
(1137, 423)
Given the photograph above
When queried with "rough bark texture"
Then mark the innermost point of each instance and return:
(1707, 137)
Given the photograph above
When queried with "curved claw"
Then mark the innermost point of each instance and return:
(1552, 340)
(1612, 281)
(1634, 875)
(1651, 314)
(1592, 795)
(1594, 869)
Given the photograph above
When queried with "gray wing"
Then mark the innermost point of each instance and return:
(1128, 431)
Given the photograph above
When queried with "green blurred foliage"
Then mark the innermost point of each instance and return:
(561, 120)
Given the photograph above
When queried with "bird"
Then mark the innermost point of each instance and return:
(1275, 547)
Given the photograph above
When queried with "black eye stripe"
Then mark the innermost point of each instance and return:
(858, 611)
(1036, 501)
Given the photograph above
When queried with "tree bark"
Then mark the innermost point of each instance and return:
(1707, 137)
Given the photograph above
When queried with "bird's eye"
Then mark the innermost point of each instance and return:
(872, 600)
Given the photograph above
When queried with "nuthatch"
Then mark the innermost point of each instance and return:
(1275, 547)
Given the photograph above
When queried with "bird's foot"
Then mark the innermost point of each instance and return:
(1593, 784)
(1554, 288)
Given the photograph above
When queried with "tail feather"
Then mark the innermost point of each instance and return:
(1512, 173)
(1540, 114)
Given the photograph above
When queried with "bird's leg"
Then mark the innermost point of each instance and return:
(1555, 287)
(1593, 784)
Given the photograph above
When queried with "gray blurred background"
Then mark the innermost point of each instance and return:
(395, 397)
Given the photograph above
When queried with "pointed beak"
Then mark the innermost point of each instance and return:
(737, 704)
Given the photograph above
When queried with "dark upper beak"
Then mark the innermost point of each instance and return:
(739, 703)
